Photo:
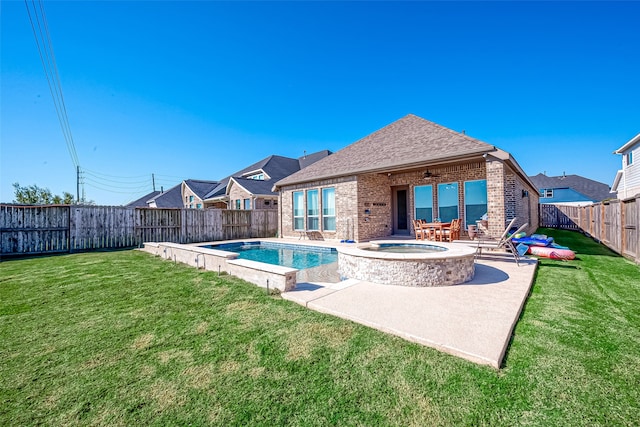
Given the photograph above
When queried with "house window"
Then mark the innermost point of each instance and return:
(298, 210)
(190, 198)
(629, 158)
(423, 200)
(247, 204)
(238, 204)
(448, 201)
(475, 200)
(199, 206)
(329, 209)
(546, 193)
(267, 202)
(259, 177)
(312, 210)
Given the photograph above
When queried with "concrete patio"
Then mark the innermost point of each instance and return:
(474, 320)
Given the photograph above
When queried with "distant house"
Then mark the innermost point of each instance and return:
(194, 191)
(627, 180)
(187, 194)
(172, 198)
(142, 202)
(252, 187)
(570, 190)
(410, 169)
(249, 188)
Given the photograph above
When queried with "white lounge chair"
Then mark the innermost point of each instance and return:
(504, 242)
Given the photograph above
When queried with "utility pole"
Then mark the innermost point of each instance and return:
(153, 180)
(78, 184)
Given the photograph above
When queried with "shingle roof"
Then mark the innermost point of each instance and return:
(172, 198)
(309, 159)
(256, 187)
(276, 167)
(406, 142)
(142, 201)
(594, 190)
(201, 188)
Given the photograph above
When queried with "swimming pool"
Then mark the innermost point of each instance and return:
(293, 256)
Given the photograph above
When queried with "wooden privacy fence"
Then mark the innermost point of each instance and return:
(54, 229)
(615, 223)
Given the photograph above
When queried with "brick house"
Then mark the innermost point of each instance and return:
(252, 187)
(194, 192)
(411, 168)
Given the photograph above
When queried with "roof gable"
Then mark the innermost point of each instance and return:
(594, 190)
(201, 188)
(172, 198)
(629, 145)
(409, 141)
(142, 201)
(252, 186)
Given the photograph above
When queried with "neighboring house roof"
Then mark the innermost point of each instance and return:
(199, 187)
(633, 141)
(253, 186)
(275, 167)
(172, 198)
(410, 141)
(309, 159)
(592, 190)
(142, 201)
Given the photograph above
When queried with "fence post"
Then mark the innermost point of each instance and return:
(69, 229)
(623, 240)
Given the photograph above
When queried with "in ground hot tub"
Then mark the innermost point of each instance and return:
(408, 264)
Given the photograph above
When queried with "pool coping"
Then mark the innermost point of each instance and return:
(259, 273)
(454, 250)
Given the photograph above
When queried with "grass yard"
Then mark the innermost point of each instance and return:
(123, 338)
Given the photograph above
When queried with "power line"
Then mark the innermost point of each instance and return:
(47, 57)
(114, 176)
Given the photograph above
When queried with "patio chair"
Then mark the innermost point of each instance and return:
(503, 243)
(421, 232)
(452, 232)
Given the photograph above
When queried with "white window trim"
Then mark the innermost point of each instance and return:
(321, 207)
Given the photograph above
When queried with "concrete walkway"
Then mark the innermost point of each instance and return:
(474, 320)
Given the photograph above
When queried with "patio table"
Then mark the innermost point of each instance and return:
(436, 229)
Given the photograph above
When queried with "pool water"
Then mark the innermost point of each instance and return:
(405, 248)
(293, 256)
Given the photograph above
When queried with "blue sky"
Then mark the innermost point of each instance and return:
(202, 89)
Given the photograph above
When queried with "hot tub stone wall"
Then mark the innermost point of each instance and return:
(417, 273)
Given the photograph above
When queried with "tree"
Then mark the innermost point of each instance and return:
(34, 195)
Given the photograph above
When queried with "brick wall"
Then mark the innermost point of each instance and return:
(186, 194)
(346, 192)
(364, 204)
(374, 208)
(502, 180)
(236, 192)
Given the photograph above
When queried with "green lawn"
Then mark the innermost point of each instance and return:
(123, 338)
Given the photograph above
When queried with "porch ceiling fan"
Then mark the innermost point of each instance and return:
(428, 174)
